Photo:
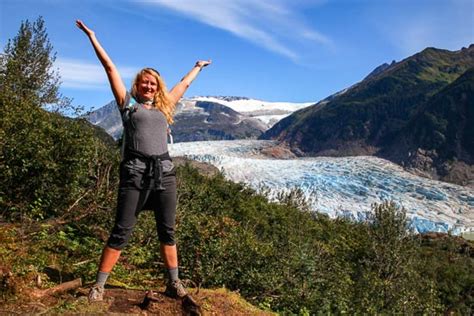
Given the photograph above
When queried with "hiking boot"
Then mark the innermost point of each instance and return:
(96, 294)
(175, 289)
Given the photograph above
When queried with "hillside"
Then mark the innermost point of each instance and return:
(439, 138)
(119, 299)
(366, 118)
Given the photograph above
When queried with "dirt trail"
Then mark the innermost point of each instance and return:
(118, 301)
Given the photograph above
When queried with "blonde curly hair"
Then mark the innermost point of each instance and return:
(161, 100)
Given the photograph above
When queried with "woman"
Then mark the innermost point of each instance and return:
(147, 178)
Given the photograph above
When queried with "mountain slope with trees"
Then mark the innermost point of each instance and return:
(439, 139)
(368, 117)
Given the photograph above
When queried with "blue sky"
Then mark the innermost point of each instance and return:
(273, 50)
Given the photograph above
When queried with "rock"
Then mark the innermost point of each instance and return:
(422, 161)
(203, 168)
(278, 152)
(153, 302)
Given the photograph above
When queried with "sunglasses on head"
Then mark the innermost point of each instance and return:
(153, 69)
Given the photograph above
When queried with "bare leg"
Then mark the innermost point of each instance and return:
(107, 262)
(174, 287)
(169, 255)
(109, 259)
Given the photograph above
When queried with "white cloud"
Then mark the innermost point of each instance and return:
(273, 24)
(78, 74)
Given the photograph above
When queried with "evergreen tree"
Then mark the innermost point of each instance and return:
(47, 161)
(26, 72)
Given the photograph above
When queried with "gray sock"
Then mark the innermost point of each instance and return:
(173, 274)
(101, 278)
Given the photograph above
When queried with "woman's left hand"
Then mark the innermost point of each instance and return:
(203, 63)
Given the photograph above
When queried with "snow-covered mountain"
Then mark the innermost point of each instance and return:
(204, 120)
(267, 112)
(345, 186)
(210, 118)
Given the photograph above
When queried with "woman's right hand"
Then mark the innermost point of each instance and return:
(84, 28)
(116, 83)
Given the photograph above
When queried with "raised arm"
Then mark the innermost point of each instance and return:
(116, 83)
(178, 90)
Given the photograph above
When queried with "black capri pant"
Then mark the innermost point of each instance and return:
(131, 201)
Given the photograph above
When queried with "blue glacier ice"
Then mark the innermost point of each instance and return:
(345, 186)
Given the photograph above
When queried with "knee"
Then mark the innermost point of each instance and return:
(119, 237)
(167, 236)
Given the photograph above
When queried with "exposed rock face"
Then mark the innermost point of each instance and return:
(278, 152)
(422, 162)
(422, 159)
(457, 172)
(108, 118)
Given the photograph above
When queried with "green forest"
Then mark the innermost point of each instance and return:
(57, 203)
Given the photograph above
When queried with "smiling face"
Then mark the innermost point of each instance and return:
(147, 86)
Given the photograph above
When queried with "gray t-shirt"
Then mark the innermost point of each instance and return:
(145, 130)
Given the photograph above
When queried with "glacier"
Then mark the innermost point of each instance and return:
(345, 186)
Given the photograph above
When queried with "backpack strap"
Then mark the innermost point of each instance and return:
(127, 111)
(168, 130)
